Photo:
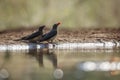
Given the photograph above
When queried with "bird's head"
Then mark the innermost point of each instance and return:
(41, 27)
(56, 25)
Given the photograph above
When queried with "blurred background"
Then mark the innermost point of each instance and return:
(71, 13)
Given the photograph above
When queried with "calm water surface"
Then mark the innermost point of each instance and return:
(60, 65)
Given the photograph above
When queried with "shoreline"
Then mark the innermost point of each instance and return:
(62, 46)
(83, 37)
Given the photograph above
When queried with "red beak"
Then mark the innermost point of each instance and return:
(58, 23)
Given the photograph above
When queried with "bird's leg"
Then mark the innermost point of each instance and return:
(48, 41)
(54, 43)
(51, 41)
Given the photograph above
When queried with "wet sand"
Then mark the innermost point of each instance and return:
(64, 35)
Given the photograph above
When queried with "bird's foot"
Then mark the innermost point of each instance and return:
(55, 43)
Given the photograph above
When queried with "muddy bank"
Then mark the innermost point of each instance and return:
(64, 35)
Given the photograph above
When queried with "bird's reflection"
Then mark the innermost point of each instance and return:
(7, 55)
(52, 57)
(39, 55)
(39, 58)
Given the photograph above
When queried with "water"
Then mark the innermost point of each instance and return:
(60, 65)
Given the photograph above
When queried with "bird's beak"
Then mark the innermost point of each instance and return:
(58, 23)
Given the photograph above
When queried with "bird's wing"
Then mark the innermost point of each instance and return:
(33, 35)
(49, 35)
(44, 35)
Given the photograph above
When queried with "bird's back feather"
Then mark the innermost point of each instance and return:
(48, 35)
(35, 34)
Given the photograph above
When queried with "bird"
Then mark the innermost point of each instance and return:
(34, 36)
(50, 36)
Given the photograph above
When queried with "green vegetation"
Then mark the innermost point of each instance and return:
(71, 13)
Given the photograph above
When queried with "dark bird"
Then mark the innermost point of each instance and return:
(34, 36)
(50, 36)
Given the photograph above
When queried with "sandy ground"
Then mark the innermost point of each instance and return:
(64, 35)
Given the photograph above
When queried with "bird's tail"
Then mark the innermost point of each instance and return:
(23, 38)
(17, 40)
